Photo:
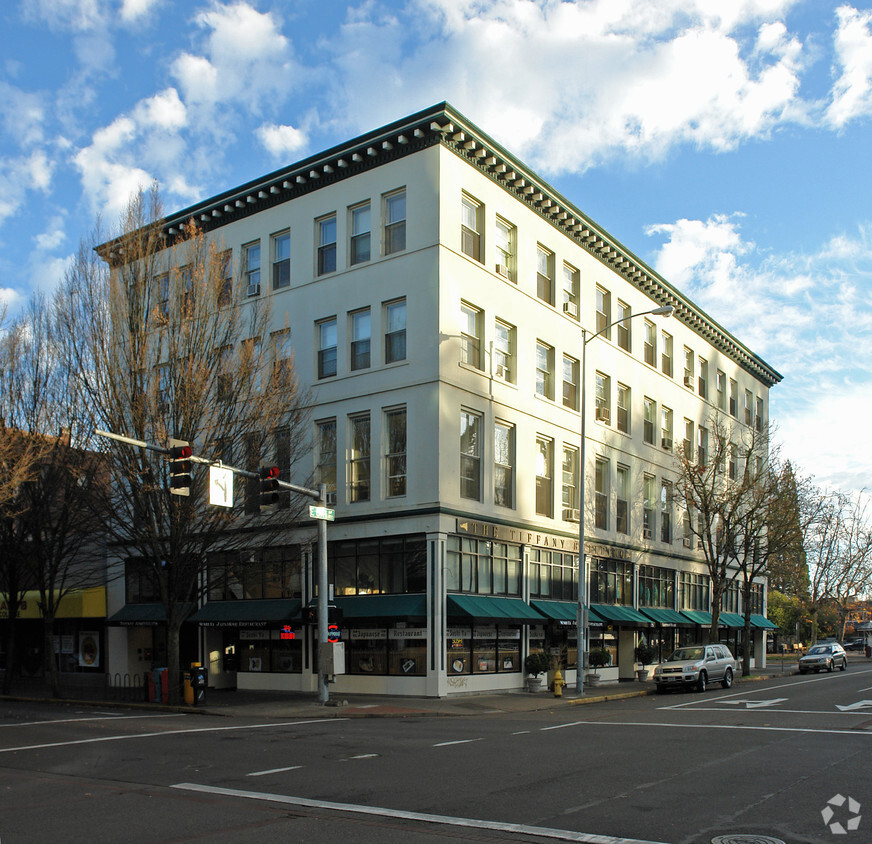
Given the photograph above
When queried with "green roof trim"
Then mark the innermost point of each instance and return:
(663, 616)
(731, 619)
(557, 610)
(626, 615)
(704, 619)
(495, 609)
(763, 622)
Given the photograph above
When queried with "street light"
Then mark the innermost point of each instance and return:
(581, 615)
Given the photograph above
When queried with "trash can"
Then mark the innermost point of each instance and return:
(160, 685)
(188, 686)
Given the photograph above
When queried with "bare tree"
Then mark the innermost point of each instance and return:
(160, 347)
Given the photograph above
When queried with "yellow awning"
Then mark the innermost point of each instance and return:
(77, 603)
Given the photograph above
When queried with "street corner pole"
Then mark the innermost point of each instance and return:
(323, 691)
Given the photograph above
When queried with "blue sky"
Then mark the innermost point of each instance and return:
(725, 143)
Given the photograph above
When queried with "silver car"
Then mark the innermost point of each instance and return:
(829, 656)
(696, 665)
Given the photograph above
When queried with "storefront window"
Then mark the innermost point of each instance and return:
(484, 649)
(483, 567)
(407, 651)
(366, 651)
(656, 587)
(606, 640)
(611, 581)
(277, 650)
(390, 565)
(553, 575)
(398, 651)
(459, 650)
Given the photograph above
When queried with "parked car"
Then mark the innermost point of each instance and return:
(830, 655)
(854, 644)
(696, 666)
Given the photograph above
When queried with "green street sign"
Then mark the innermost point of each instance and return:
(323, 513)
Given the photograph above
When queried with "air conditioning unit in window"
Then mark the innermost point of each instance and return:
(688, 381)
(699, 545)
(666, 444)
(646, 533)
(500, 371)
(687, 542)
(331, 498)
(570, 514)
(602, 414)
(570, 308)
(503, 270)
(254, 290)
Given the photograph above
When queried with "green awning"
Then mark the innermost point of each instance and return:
(492, 609)
(731, 619)
(563, 611)
(261, 611)
(704, 619)
(621, 615)
(762, 621)
(144, 615)
(382, 606)
(663, 616)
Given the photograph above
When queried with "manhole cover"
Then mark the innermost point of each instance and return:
(746, 839)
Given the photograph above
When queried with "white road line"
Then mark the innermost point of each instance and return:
(273, 771)
(459, 741)
(364, 756)
(167, 733)
(520, 829)
(92, 718)
(766, 711)
(651, 724)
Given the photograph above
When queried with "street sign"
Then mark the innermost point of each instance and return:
(220, 486)
(334, 634)
(323, 513)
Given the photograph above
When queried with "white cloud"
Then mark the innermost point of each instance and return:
(133, 11)
(852, 92)
(23, 114)
(164, 111)
(10, 298)
(279, 141)
(75, 15)
(20, 175)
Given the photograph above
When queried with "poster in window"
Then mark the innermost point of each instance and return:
(89, 649)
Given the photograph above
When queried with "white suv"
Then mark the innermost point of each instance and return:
(696, 665)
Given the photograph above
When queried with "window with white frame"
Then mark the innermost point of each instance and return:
(544, 476)
(326, 228)
(545, 274)
(360, 339)
(325, 441)
(650, 345)
(623, 407)
(702, 381)
(649, 501)
(395, 222)
(734, 462)
(601, 494)
(604, 312)
(162, 296)
(721, 385)
(749, 407)
(225, 270)
(504, 461)
(544, 370)
(470, 335)
(688, 439)
(327, 339)
(504, 351)
(570, 291)
(702, 447)
(251, 267)
(360, 457)
(624, 327)
(470, 455)
(666, 354)
(688, 368)
(571, 511)
(395, 452)
(603, 412)
(666, 428)
(505, 249)
(570, 382)
(649, 420)
(281, 255)
(666, 511)
(360, 227)
(622, 500)
(395, 331)
(283, 355)
(472, 214)
(759, 414)
(734, 399)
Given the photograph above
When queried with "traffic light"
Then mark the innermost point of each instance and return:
(180, 467)
(269, 485)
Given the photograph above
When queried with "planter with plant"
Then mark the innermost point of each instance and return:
(645, 655)
(598, 658)
(535, 664)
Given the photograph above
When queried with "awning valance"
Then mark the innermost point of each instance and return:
(731, 619)
(704, 619)
(231, 613)
(382, 606)
(619, 615)
(562, 611)
(77, 603)
(147, 615)
(491, 609)
(663, 616)
(762, 622)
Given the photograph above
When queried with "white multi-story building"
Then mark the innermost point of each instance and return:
(436, 290)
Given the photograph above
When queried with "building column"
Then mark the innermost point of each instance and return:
(437, 679)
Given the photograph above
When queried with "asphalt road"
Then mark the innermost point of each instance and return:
(762, 759)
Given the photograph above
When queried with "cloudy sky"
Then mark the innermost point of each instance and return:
(725, 142)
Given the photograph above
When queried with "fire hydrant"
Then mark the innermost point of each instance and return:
(558, 683)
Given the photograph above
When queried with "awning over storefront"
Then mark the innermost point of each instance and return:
(704, 619)
(254, 612)
(564, 612)
(382, 606)
(663, 616)
(139, 614)
(77, 603)
(763, 622)
(731, 619)
(620, 615)
(491, 609)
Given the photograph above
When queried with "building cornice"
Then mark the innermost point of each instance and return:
(442, 124)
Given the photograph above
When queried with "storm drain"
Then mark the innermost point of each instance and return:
(746, 839)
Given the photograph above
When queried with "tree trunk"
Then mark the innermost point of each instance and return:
(746, 646)
(11, 656)
(173, 664)
(50, 664)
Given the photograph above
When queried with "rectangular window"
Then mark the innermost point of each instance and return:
(325, 470)
(650, 421)
(688, 439)
(702, 381)
(360, 340)
(666, 428)
(544, 370)
(570, 484)
(758, 414)
(734, 399)
(702, 447)
(471, 227)
(544, 476)
(504, 351)
(722, 390)
(470, 335)
(505, 249)
(251, 265)
(395, 331)
(649, 519)
(623, 403)
(601, 494)
(395, 222)
(666, 511)
(162, 296)
(470, 455)
(666, 355)
(327, 348)
(734, 462)
(545, 274)
(688, 368)
(359, 246)
(622, 492)
(624, 326)
(283, 356)
(395, 456)
(326, 245)
(361, 452)
(570, 382)
(225, 271)
(749, 408)
(603, 412)
(604, 312)
(650, 347)
(281, 255)
(504, 459)
(570, 291)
